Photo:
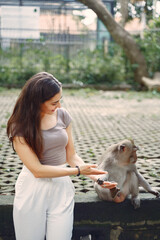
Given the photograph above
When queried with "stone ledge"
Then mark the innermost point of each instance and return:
(112, 221)
(93, 216)
(89, 207)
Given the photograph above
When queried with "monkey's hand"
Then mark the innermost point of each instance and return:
(106, 184)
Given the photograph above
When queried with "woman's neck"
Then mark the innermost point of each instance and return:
(48, 120)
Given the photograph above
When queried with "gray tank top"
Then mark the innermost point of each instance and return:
(55, 140)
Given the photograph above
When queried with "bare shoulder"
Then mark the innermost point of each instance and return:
(20, 144)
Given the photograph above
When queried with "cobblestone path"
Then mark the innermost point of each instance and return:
(99, 120)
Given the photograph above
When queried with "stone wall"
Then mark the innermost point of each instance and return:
(100, 220)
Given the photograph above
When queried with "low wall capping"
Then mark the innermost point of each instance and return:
(101, 219)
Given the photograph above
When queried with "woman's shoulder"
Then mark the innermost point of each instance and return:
(15, 131)
(63, 111)
(64, 115)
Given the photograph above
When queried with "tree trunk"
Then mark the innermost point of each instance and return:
(154, 9)
(120, 36)
(123, 11)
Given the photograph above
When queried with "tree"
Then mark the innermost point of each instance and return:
(123, 11)
(130, 9)
(122, 37)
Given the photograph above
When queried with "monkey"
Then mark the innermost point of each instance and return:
(119, 160)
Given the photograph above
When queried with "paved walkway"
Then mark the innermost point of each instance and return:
(99, 120)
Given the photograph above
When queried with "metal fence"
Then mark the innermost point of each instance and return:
(59, 23)
(47, 35)
(39, 33)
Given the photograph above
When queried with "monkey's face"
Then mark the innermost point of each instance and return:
(127, 152)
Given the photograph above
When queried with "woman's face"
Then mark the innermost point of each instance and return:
(49, 106)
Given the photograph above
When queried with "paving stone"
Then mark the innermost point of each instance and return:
(99, 120)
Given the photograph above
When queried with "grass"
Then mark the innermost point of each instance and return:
(82, 92)
(141, 95)
(6, 91)
(90, 92)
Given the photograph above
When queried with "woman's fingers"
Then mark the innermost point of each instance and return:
(91, 169)
(97, 171)
(109, 185)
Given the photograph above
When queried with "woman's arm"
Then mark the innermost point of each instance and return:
(73, 159)
(31, 161)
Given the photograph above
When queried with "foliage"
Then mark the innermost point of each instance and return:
(19, 62)
(97, 67)
(88, 67)
(136, 8)
(150, 46)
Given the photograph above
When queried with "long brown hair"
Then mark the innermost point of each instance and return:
(26, 116)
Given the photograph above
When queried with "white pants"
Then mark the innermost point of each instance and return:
(43, 207)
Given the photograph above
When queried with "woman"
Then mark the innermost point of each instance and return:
(40, 131)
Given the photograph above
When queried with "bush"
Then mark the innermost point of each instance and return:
(95, 67)
(150, 46)
(21, 61)
(88, 67)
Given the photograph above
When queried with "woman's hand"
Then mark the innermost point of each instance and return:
(108, 185)
(100, 179)
(90, 169)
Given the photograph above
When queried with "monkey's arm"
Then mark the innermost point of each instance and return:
(102, 180)
(142, 181)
